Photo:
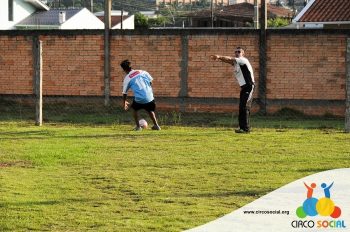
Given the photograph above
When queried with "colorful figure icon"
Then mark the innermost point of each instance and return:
(323, 206)
(310, 190)
(327, 193)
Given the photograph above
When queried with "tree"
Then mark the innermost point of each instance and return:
(141, 21)
(278, 22)
(158, 22)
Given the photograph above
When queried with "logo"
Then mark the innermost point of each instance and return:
(132, 75)
(323, 206)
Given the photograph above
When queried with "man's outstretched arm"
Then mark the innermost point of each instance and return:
(225, 59)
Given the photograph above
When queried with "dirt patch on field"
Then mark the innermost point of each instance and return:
(4, 165)
(21, 163)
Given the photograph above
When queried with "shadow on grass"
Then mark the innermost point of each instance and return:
(48, 202)
(252, 193)
(25, 133)
(45, 135)
(314, 170)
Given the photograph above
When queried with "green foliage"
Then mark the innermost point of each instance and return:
(278, 22)
(141, 21)
(158, 22)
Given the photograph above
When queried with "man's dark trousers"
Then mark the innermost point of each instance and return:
(245, 103)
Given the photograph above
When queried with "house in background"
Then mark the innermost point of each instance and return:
(237, 15)
(249, 1)
(34, 14)
(14, 11)
(324, 14)
(216, 2)
(61, 19)
(117, 20)
(151, 14)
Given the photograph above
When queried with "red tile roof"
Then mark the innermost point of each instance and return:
(327, 11)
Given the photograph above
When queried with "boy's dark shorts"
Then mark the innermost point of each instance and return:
(150, 106)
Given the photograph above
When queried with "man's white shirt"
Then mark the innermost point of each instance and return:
(243, 71)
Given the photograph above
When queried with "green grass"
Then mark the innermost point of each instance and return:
(70, 175)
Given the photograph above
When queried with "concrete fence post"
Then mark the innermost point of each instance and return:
(183, 94)
(38, 81)
(262, 59)
(347, 92)
(107, 49)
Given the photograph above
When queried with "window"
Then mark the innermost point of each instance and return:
(10, 8)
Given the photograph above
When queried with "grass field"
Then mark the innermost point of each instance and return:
(71, 175)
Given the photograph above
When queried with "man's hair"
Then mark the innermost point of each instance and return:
(125, 64)
(241, 48)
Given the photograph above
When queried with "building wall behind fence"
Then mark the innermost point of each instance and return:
(305, 69)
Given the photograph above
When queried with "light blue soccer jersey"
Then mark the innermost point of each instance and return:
(139, 82)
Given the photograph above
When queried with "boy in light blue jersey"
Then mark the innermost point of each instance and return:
(140, 82)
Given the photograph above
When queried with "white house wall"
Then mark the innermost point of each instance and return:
(128, 23)
(84, 19)
(21, 10)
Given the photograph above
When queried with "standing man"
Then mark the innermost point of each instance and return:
(140, 83)
(244, 74)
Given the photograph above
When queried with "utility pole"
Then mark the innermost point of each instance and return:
(212, 13)
(92, 6)
(256, 14)
(121, 15)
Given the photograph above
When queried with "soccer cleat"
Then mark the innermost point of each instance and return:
(241, 131)
(137, 128)
(156, 127)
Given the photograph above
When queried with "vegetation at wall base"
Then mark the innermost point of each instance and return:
(90, 113)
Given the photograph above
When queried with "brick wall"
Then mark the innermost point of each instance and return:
(305, 68)
(215, 79)
(16, 64)
(160, 55)
(73, 65)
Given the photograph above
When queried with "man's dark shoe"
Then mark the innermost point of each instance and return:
(156, 127)
(241, 131)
